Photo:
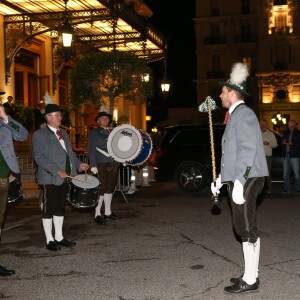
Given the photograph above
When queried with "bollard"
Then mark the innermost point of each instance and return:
(132, 186)
(145, 177)
(151, 174)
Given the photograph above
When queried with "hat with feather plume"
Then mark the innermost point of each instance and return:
(237, 80)
(50, 105)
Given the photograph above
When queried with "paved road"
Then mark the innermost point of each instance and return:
(168, 245)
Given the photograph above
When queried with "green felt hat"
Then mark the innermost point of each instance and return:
(237, 80)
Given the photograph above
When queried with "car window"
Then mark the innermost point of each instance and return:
(191, 137)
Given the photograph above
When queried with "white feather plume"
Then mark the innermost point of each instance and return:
(48, 99)
(239, 73)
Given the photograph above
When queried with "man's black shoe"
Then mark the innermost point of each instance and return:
(4, 272)
(241, 287)
(235, 280)
(99, 220)
(65, 243)
(52, 246)
(112, 216)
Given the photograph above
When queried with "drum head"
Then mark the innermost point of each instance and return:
(124, 143)
(90, 183)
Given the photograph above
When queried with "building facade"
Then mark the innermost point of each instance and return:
(265, 34)
(33, 62)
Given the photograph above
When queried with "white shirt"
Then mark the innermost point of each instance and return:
(62, 142)
(269, 137)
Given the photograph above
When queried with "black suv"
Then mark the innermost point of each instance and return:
(184, 155)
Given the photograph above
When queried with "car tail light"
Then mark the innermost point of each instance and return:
(160, 152)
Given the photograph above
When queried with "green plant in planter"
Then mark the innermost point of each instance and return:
(108, 75)
(65, 117)
(25, 116)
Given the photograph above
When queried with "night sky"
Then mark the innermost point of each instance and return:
(176, 23)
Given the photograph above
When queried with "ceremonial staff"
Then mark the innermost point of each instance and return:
(207, 106)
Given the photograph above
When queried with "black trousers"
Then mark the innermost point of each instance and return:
(53, 200)
(244, 216)
(4, 187)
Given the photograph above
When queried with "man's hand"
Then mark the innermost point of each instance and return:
(215, 186)
(62, 174)
(238, 193)
(3, 114)
(84, 166)
(94, 170)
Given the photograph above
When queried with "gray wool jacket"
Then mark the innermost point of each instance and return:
(50, 156)
(243, 153)
(10, 131)
(98, 139)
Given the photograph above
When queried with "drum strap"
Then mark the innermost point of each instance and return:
(68, 165)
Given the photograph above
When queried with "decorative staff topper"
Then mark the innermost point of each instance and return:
(209, 103)
(207, 106)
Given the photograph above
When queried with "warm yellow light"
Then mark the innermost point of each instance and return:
(146, 77)
(273, 120)
(154, 129)
(148, 118)
(283, 120)
(165, 86)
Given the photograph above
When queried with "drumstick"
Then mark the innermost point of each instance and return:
(85, 176)
(78, 179)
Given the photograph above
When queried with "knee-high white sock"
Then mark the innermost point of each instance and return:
(107, 202)
(98, 207)
(47, 224)
(58, 222)
(250, 259)
(257, 252)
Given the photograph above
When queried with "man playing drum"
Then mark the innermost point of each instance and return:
(103, 165)
(56, 161)
(9, 130)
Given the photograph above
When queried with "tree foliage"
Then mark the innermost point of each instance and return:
(108, 75)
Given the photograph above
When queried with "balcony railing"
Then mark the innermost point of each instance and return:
(246, 39)
(215, 40)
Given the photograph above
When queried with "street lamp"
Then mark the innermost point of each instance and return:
(165, 85)
(279, 119)
(145, 77)
(66, 32)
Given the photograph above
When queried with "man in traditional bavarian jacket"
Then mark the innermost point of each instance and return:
(9, 130)
(243, 168)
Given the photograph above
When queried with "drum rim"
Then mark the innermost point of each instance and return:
(74, 181)
(112, 134)
(150, 151)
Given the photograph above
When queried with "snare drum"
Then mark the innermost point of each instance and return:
(84, 194)
(15, 189)
(129, 145)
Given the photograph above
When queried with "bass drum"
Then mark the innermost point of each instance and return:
(15, 188)
(129, 145)
(84, 193)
